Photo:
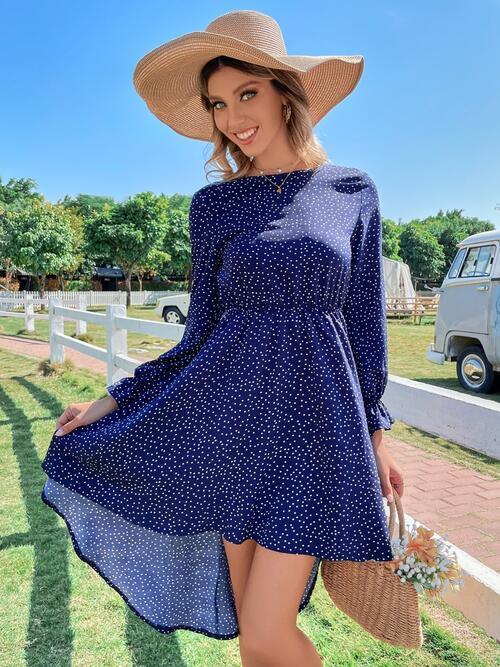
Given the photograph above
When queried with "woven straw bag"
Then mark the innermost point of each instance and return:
(374, 596)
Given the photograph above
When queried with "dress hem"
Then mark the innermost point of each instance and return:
(160, 628)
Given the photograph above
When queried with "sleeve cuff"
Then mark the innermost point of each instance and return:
(121, 390)
(378, 416)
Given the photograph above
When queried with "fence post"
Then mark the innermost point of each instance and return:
(29, 313)
(81, 304)
(56, 325)
(116, 341)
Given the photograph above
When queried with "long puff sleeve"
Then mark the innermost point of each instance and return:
(364, 308)
(203, 313)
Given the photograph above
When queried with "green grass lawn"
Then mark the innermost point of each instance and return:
(57, 611)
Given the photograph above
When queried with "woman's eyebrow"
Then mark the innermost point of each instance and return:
(242, 85)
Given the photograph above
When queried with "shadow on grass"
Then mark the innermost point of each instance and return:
(50, 636)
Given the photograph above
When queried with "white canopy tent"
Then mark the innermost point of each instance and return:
(397, 278)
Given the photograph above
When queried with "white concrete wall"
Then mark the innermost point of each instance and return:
(467, 419)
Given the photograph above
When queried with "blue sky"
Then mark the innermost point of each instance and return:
(423, 121)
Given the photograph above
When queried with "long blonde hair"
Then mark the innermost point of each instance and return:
(300, 128)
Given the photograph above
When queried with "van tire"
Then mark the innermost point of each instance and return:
(474, 355)
(173, 315)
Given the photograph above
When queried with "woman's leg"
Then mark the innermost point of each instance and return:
(269, 636)
(239, 557)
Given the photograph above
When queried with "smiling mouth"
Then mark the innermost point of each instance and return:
(243, 136)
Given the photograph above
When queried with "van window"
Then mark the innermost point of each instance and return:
(453, 272)
(478, 262)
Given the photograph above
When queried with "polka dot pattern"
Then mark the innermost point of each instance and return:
(257, 423)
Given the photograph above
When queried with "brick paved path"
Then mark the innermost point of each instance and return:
(41, 349)
(453, 500)
(456, 502)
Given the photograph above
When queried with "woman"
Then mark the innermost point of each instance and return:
(207, 488)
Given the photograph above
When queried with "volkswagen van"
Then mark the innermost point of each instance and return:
(467, 329)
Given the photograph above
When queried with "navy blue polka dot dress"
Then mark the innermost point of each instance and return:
(257, 423)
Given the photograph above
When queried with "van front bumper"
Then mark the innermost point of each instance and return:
(434, 356)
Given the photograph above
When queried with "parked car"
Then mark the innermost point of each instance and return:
(173, 308)
(467, 329)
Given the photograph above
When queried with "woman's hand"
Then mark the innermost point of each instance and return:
(389, 472)
(80, 414)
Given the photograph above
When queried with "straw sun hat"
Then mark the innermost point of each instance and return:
(167, 77)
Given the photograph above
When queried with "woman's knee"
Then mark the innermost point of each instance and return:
(261, 638)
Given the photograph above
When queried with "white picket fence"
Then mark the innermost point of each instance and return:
(27, 304)
(92, 297)
(116, 324)
(115, 321)
(30, 304)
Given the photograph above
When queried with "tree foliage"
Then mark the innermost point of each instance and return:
(131, 234)
(422, 252)
(40, 239)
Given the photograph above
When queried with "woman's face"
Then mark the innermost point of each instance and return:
(243, 102)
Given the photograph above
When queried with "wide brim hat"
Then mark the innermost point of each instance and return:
(167, 78)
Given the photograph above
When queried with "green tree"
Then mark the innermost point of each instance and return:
(6, 245)
(390, 239)
(17, 193)
(40, 240)
(130, 233)
(178, 203)
(87, 206)
(421, 250)
(175, 257)
(177, 243)
(452, 227)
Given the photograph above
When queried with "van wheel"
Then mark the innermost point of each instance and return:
(173, 315)
(474, 371)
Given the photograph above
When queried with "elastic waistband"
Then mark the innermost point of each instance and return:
(265, 307)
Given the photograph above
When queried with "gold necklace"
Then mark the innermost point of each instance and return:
(279, 186)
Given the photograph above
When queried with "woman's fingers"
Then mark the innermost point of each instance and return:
(69, 420)
(397, 479)
(387, 489)
(66, 416)
(79, 414)
(68, 426)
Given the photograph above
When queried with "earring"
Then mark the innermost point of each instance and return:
(287, 112)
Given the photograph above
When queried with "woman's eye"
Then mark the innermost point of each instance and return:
(245, 92)
(249, 92)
